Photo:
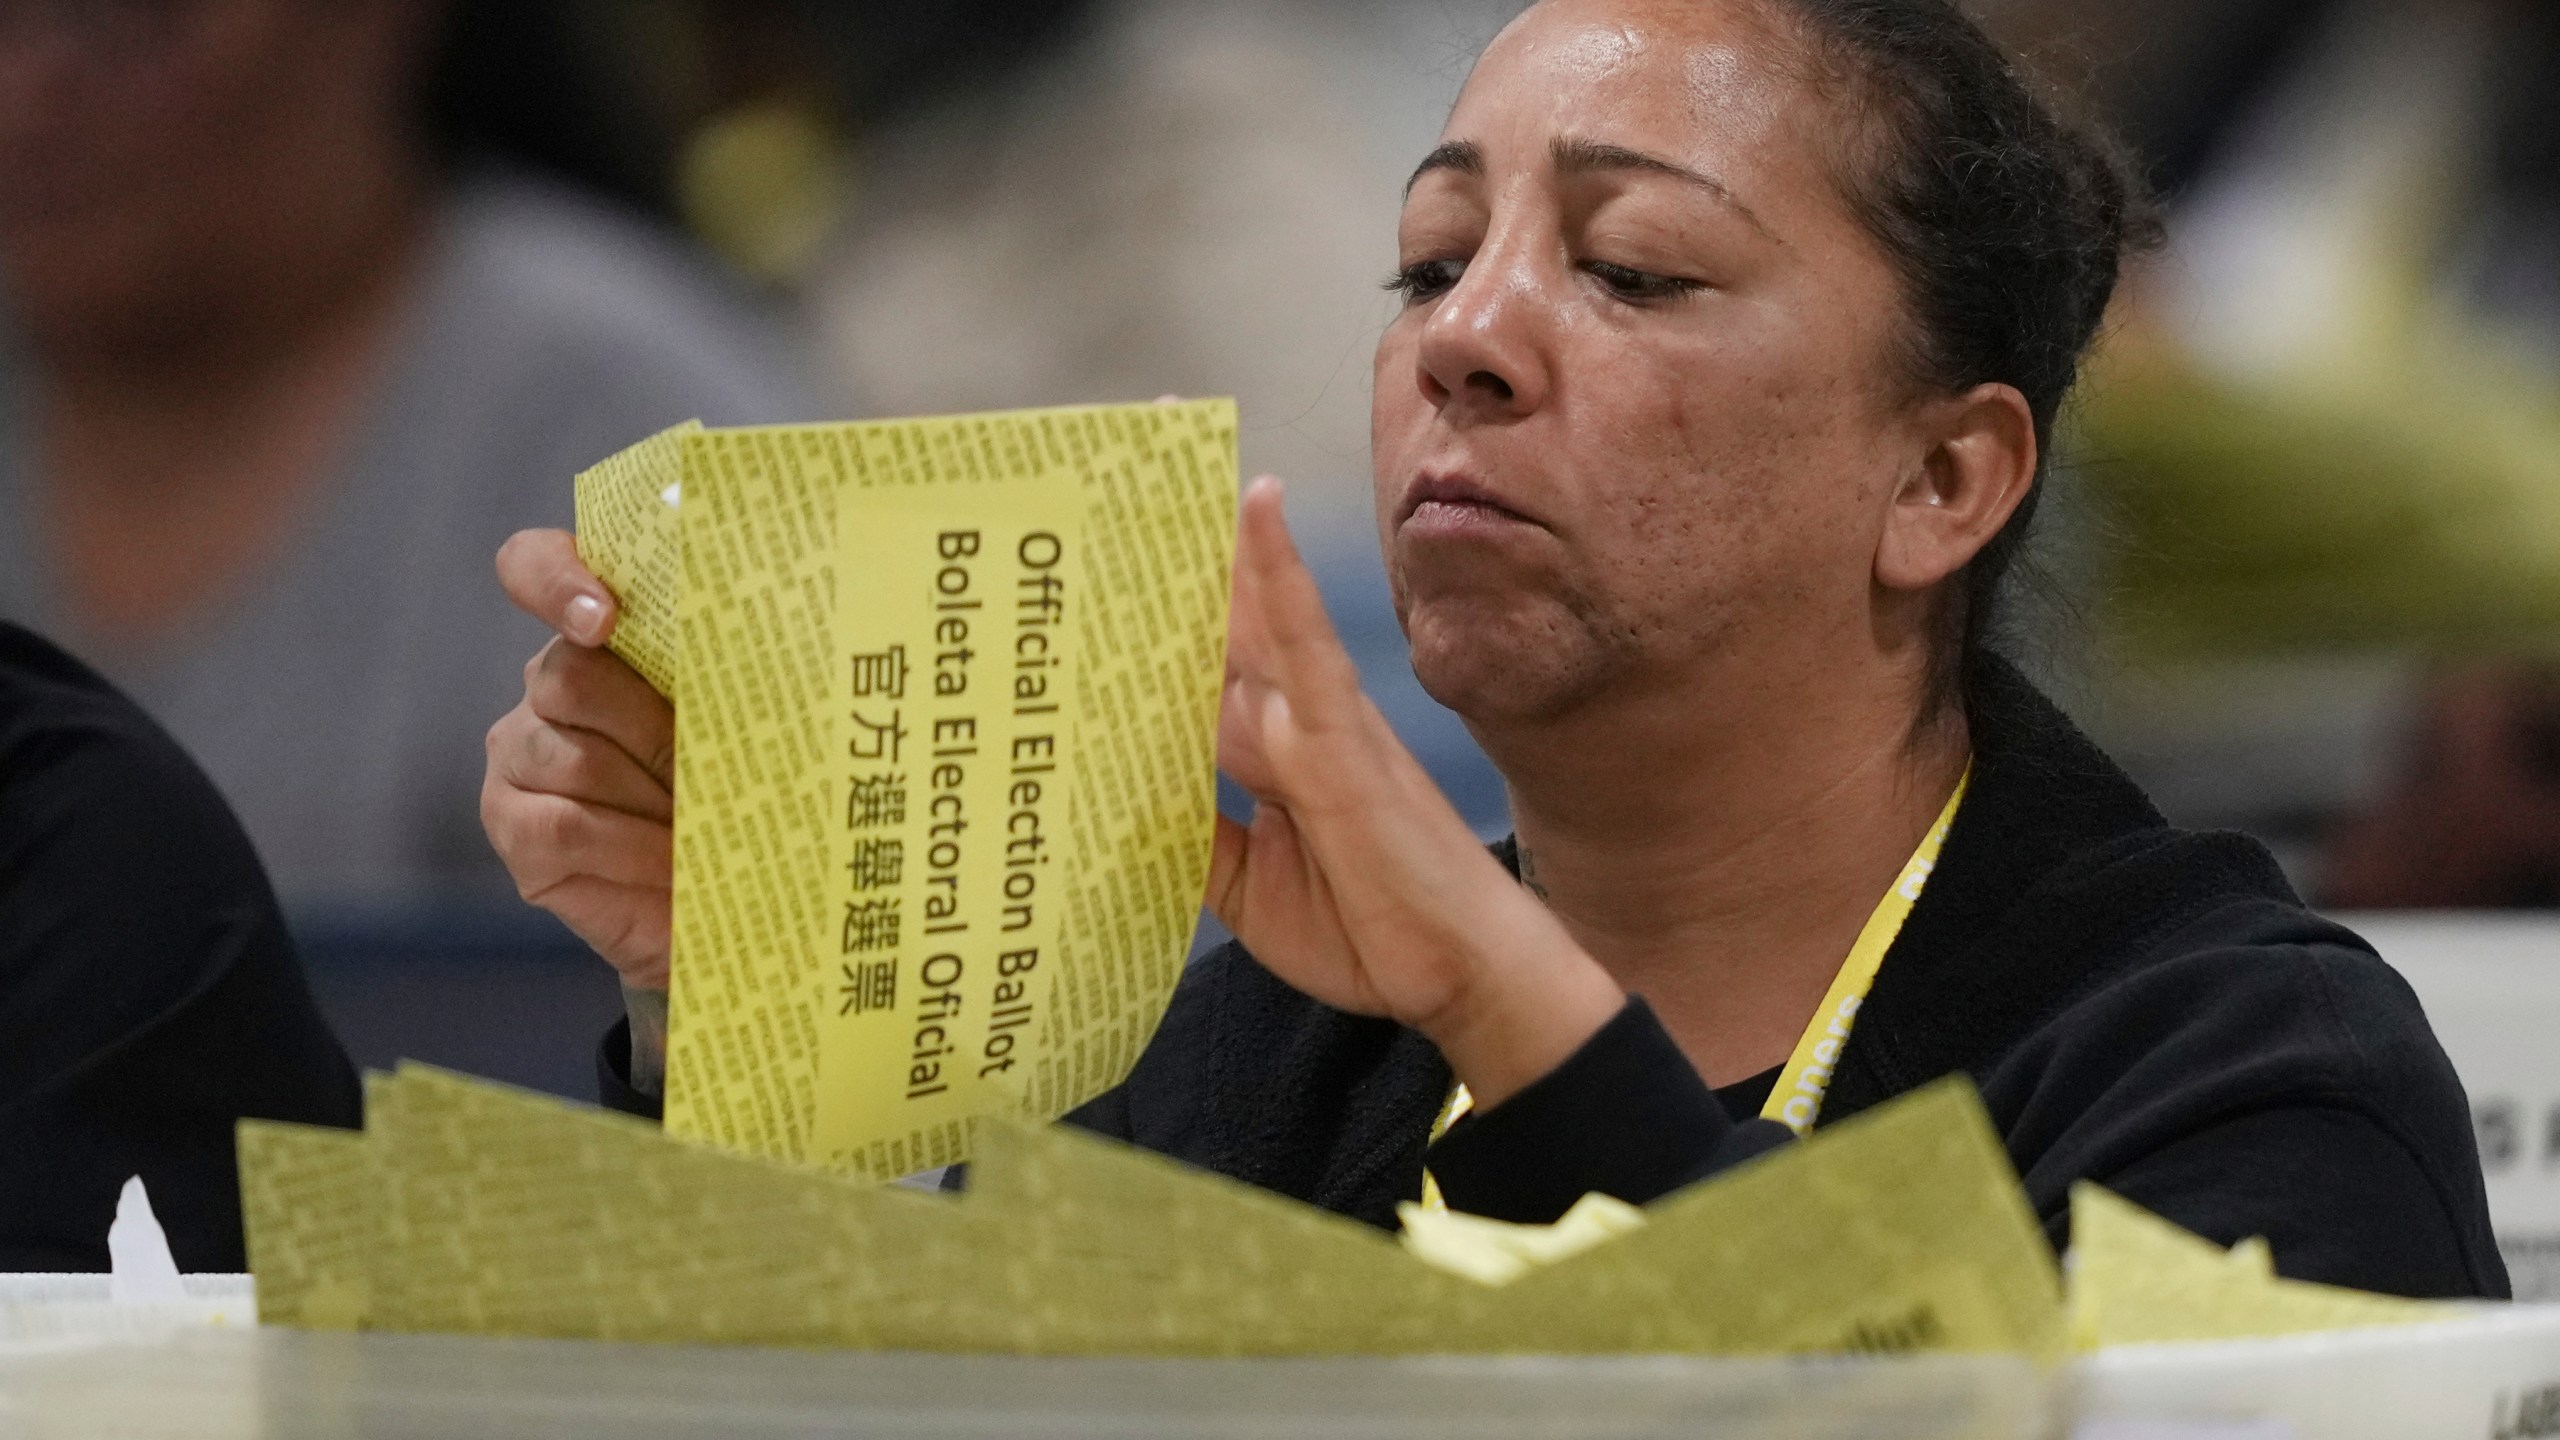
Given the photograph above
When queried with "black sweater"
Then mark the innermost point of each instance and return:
(148, 995)
(2149, 1008)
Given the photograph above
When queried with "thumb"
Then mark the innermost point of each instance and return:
(1227, 856)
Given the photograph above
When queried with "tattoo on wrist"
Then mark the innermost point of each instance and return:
(648, 1012)
(1529, 873)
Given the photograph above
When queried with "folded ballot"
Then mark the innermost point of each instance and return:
(946, 705)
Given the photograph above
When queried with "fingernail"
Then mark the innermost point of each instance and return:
(586, 619)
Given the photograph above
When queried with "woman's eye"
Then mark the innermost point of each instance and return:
(1426, 279)
(1639, 285)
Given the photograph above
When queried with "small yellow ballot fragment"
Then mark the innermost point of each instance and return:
(627, 508)
(1497, 1252)
(307, 1205)
(2137, 1279)
(945, 749)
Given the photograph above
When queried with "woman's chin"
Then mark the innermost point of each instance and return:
(1502, 669)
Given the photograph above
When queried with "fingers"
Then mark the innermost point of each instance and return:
(543, 575)
(1248, 653)
(548, 839)
(576, 801)
(629, 926)
(1259, 877)
(527, 752)
(1287, 625)
(1258, 867)
(1241, 756)
(608, 876)
(1227, 852)
(1293, 725)
(594, 690)
(1243, 700)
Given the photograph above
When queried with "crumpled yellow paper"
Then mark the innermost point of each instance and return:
(1497, 1252)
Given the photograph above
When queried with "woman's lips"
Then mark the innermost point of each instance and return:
(1454, 505)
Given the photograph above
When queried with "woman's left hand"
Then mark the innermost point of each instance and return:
(1356, 882)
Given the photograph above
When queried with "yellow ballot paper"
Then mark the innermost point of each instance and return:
(472, 1208)
(627, 510)
(1899, 1230)
(1497, 1252)
(477, 1209)
(946, 715)
(2137, 1279)
(308, 1205)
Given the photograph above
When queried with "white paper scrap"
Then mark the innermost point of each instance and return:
(140, 1268)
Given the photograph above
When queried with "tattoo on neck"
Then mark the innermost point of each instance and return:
(1529, 873)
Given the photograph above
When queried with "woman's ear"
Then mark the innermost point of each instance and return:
(1979, 463)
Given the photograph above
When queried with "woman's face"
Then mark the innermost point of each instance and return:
(1640, 411)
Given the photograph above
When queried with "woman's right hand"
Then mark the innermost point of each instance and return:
(1356, 882)
(579, 794)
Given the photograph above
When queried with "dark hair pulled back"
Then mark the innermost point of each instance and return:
(2006, 221)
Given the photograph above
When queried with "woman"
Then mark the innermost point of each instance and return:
(1733, 339)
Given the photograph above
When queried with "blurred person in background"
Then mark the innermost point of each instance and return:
(288, 342)
(2468, 814)
(2328, 439)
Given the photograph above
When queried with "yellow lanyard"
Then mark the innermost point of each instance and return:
(1796, 1100)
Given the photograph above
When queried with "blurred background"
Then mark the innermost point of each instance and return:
(306, 304)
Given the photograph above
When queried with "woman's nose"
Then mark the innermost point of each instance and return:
(1483, 349)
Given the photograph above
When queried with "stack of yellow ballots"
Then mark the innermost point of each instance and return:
(946, 698)
(471, 1208)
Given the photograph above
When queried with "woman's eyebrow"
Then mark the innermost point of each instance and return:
(1583, 157)
(1463, 156)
